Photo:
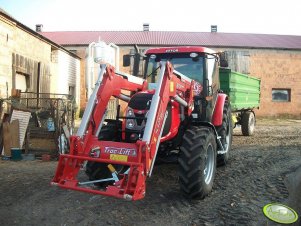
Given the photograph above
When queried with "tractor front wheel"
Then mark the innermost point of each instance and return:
(97, 170)
(197, 162)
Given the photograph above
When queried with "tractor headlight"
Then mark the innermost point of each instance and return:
(130, 112)
(130, 123)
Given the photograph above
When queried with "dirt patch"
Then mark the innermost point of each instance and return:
(259, 173)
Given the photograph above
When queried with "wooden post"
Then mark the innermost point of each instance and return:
(27, 142)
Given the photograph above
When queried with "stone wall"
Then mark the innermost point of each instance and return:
(6, 46)
(20, 52)
(46, 66)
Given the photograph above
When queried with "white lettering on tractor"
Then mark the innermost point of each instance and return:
(120, 151)
(172, 51)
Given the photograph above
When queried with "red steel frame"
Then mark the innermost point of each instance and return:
(131, 185)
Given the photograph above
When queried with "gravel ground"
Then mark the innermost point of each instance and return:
(264, 168)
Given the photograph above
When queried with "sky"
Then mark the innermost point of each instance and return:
(231, 16)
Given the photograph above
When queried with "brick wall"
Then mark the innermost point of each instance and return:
(277, 69)
(282, 70)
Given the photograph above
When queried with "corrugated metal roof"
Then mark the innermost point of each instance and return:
(160, 38)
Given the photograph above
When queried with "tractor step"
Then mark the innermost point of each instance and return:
(221, 149)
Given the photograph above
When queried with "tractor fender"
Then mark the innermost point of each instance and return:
(217, 116)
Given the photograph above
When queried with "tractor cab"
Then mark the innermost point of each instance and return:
(190, 64)
(194, 63)
(197, 66)
(197, 63)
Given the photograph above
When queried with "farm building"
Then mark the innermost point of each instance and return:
(34, 64)
(39, 89)
(275, 59)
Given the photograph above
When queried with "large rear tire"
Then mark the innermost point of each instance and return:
(225, 131)
(197, 162)
(248, 123)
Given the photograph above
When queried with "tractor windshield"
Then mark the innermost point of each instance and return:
(189, 64)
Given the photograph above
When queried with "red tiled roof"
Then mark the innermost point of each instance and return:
(167, 38)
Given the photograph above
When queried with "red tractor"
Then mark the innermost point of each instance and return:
(177, 113)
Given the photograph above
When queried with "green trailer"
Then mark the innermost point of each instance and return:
(244, 93)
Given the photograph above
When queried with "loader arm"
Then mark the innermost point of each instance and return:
(171, 86)
(138, 157)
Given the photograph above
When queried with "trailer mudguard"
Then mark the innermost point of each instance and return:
(217, 116)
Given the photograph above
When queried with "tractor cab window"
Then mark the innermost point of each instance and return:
(190, 65)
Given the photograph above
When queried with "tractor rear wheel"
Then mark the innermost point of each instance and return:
(197, 162)
(225, 132)
(247, 123)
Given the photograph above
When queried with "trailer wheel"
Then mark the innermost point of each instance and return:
(97, 170)
(225, 132)
(247, 123)
(197, 162)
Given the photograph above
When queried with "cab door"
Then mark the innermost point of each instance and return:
(212, 85)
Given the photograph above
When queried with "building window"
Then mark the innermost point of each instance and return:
(72, 91)
(281, 95)
(22, 82)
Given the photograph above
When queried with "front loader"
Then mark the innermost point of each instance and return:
(176, 113)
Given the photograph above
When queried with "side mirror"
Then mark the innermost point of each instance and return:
(126, 60)
(136, 64)
(223, 62)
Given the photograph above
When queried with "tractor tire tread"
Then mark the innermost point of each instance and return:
(191, 158)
